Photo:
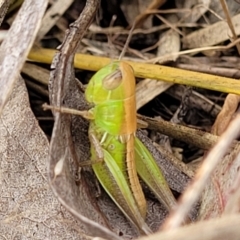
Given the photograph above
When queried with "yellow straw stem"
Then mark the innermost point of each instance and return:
(146, 70)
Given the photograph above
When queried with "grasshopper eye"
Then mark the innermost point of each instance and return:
(113, 80)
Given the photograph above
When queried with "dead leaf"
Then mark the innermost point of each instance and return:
(198, 8)
(226, 114)
(211, 35)
(28, 207)
(57, 9)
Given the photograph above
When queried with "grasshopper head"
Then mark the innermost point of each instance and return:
(113, 82)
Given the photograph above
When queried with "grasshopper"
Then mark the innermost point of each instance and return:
(120, 154)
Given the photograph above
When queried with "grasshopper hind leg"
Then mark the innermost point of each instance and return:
(115, 184)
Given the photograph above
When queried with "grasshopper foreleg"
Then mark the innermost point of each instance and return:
(97, 148)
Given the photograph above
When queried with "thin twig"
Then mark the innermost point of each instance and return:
(203, 140)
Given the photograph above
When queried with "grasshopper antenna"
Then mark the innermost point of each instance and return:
(127, 42)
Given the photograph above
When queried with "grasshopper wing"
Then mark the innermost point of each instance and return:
(115, 184)
(152, 175)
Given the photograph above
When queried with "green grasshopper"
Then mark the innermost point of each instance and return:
(117, 155)
(120, 155)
